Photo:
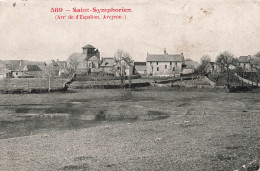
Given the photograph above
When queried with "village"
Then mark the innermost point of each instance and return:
(112, 113)
(132, 85)
(165, 69)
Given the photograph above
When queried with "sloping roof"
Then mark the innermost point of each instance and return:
(82, 57)
(31, 68)
(128, 62)
(88, 46)
(108, 62)
(78, 56)
(164, 58)
(139, 63)
(244, 59)
(94, 58)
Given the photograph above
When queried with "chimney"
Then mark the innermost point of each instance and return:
(147, 53)
(164, 51)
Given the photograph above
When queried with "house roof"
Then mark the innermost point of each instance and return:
(82, 57)
(164, 57)
(128, 62)
(94, 58)
(108, 62)
(139, 63)
(244, 59)
(88, 46)
(78, 56)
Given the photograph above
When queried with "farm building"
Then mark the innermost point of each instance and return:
(59, 67)
(127, 67)
(164, 64)
(31, 71)
(108, 65)
(140, 68)
(88, 60)
(245, 62)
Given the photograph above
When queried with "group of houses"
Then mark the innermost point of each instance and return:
(21, 69)
(163, 64)
(90, 61)
(246, 63)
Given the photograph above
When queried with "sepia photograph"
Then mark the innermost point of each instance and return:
(144, 85)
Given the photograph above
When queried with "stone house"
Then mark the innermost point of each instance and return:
(164, 64)
(140, 68)
(31, 71)
(88, 61)
(244, 62)
(59, 67)
(108, 65)
(127, 67)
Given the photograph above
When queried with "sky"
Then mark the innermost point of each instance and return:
(195, 28)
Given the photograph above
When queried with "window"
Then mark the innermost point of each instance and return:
(90, 51)
(165, 66)
(17, 73)
(170, 63)
(157, 68)
(150, 63)
(157, 63)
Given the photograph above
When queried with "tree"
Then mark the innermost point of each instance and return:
(122, 59)
(49, 72)
(257, 55)
(224, 60)
(72, 67)
(204, 64)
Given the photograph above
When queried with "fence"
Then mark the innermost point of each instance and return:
(247, 81)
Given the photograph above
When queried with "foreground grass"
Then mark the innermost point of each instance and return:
(137, 130)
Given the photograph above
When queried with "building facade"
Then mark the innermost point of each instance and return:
(164, 64)
(88, 61)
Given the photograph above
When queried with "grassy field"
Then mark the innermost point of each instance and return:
(29, 83)
(149, 129)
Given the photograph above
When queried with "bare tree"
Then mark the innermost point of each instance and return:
(122, 59)
(72, 66)
(224, 60)
(257, 55)
(204, 63)
(50, 72)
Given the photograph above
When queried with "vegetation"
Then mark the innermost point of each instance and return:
(204, 64)
(122, 60)
(137, 130)
(29, 83)
(224, 60)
